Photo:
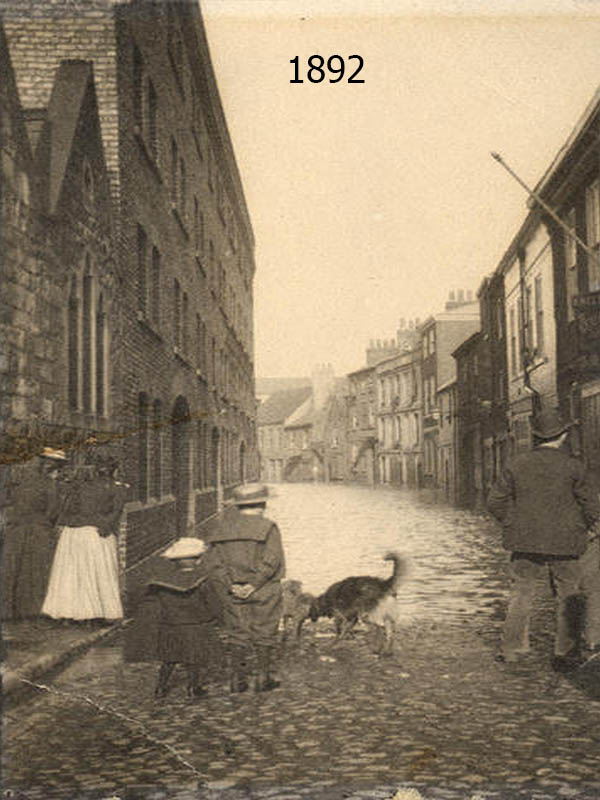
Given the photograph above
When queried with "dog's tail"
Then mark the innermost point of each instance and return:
(399, 572)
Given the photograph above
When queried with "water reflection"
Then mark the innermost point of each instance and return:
(456, 565)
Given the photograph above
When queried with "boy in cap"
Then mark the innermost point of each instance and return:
(188, 612)
(247, 564)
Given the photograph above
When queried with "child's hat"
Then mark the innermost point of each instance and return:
(186, 547)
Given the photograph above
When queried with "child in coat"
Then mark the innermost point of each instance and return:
(188, 613)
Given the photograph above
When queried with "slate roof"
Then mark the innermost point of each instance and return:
(278, 406)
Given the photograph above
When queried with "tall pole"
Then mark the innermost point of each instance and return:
(592, 253)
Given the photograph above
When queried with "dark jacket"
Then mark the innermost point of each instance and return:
(545, 502)
(245, 549)
(96, 501)
(172, 612)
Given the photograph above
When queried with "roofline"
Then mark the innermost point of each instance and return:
(466, 343)
(592, 108)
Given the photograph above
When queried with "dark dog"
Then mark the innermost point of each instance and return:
(362, 597)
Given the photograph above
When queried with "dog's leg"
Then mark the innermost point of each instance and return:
(389, 627)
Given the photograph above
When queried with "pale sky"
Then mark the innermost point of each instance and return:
(370, 202)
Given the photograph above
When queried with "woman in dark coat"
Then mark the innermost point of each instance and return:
(31, 536)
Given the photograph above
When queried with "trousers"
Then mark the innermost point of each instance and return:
(576, 581)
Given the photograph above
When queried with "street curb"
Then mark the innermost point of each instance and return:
(14, 681)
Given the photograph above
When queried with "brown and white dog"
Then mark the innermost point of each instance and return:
(366, 598)
(363, 597)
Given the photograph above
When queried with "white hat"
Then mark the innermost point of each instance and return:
(186, 547)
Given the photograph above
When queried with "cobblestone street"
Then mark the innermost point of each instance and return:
(437, 719)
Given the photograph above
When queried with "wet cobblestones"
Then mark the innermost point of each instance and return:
(439, 719)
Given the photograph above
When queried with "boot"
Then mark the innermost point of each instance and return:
(239, 669)
(164, 673)
(195, 690)
(265, 682)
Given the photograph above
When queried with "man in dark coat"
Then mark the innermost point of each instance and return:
(247, 564)
(547, 506)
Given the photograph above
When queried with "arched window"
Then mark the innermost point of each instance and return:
(143, 447)
(100, 358)
(73, 344)
(87, 351)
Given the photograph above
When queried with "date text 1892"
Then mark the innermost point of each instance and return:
(316, 71)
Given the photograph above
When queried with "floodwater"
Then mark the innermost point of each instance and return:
(330, 531)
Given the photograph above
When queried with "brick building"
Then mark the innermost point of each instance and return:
(183, 250)
(571, 186)
(61, 300)
(440, 335)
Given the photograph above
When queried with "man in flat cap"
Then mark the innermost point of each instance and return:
(547, 506)
(247, 565)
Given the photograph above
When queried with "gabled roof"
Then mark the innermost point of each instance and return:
(303, 415)
(278, 406)
(72, 80)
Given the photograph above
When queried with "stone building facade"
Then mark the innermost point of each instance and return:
(362, 427)
(61, 286)
(440, 335)
(184, 250)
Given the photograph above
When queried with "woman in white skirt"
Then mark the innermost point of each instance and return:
(84, 580)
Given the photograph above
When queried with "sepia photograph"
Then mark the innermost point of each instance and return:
(300, 399)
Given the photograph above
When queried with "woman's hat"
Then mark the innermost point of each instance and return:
(549, 424)
(250, 494)
(56, 455)
(186, 547)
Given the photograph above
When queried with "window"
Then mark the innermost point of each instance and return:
(570, 250)
(513, 344)
(529, 332)
(155, 287)
(539, 316)
(87, 333)
(499, 319)
(100, 358)
(143, 447)
(592, 225)
(73, 344)
(156, 487)
(200, 454)
(87, 311)
(141, 259)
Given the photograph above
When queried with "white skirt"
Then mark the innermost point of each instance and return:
(84, 580)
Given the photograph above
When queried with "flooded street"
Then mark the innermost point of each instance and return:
(456, 564)
(439, 718)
